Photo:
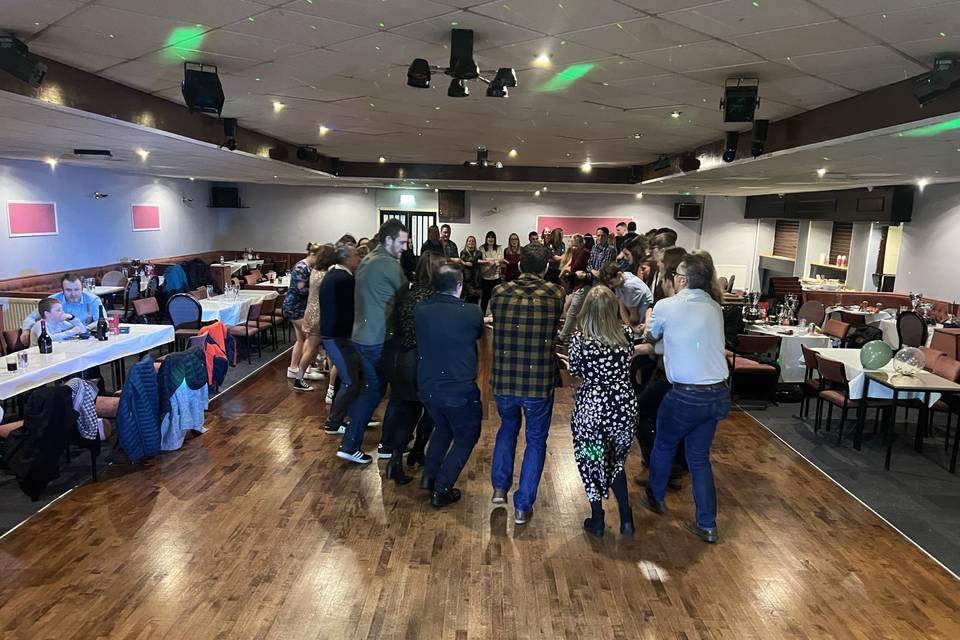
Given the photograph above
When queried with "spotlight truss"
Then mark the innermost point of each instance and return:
(462, 68)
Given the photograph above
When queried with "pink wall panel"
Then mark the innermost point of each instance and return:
(146, 217)
(32, 218)
(576, 224)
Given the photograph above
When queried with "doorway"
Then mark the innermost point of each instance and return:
(416, 222)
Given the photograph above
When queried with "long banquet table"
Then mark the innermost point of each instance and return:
(74, 356)
(792, 368)
(232, 310)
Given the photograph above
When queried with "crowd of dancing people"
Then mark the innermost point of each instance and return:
(636, 320)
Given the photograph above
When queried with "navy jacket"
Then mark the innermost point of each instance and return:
(447, 332)
(138, 424)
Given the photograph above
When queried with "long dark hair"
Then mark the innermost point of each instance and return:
(490, 234)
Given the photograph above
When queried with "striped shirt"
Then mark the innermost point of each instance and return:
(526, 314)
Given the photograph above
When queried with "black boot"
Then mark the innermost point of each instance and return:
(395, 470)
(626, 522)
(415, 457)
(594, 525)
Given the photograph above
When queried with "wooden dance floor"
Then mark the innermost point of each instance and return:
(256, 530)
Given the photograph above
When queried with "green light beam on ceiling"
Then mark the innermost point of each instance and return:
(931, 130)
(565, 78)
(183, 40)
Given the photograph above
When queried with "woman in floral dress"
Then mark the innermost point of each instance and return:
(605, 410)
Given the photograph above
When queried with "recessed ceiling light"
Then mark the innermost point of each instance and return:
(112, 36)
(586, 167)
(922, 182)
(52, 162)
(274, 177)
(542, 61)
(536, 194)
(143, 153)
(324, 130)
(499, 165)
(640, 195)
(381, 160)
(675, 114)
(257, 79)
(278, 106)
(637, 136)
(513, 153)
(821, 172)
(544, 188)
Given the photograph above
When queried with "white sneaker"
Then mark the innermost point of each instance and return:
(329, 397)
(292, 373)
(313, 375)
(357, 456)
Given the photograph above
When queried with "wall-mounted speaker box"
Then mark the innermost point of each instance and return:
(225, 198)
(687, 211)
(451, 204)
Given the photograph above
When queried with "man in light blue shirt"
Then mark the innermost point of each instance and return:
(77, 303)
(690, 324)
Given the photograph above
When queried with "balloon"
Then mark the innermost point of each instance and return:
(875, 355)
(909, 361)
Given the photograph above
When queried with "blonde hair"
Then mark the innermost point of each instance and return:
(601, 318)
(575, 241)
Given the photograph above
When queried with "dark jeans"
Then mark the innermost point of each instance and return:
(691, 417)
(371, 392)
(399, 421)
(344, 357)
(456, 433)
(537, 412)
(486, 289)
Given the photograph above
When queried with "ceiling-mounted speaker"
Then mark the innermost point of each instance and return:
(230, 133)
(689, 163)
(944, 77)
(16, 60)
(308, 154)
(462, 64)
(740, 101)
(201, 88)
(418, 74)
(730, 144)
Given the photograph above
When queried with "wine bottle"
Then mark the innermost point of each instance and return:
(44, 342)
(101, 327)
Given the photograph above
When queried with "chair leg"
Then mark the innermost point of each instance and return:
(829, 416)
(946, 432)
(843, 421)
(816, 424)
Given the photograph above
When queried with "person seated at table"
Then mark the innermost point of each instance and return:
(77, 303)
(59, 326)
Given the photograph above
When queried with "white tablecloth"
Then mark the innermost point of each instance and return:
(106, 291)
(792, 368)
(869, 317)
(237, 265)
(855, 375)
(232, 310)
(282, 282)
(74, 356)
(892, 338)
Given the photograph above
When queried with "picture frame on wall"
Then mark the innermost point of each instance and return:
(145, 217)
(27, 219)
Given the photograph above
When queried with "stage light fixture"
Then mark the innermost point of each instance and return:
(759, 141)
(944, 77)
(308, 154)
(201, 88)
(740, 102)
(495, 90)
(462, 65)
(662, 162)
(418, 74)
(458, 89)
(730, 146)
(506, 77)
(230, 133)
(16, 60)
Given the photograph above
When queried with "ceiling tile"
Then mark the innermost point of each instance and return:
(799, 41)
(488, 33)
(553, 17)
(80, 59)
(850, 60)
(210, 13)
(146, 76)
(561, 53)
(927, 50)
(710, 54)
(24, 17)
(737, 17)
(866, 79)
(803, 91)
(123, 45)
(618, 68)
(291, 26)
(763, 71)
(917, 23)
(232, 44)
(661, 6)
(632, 36)
(847, 8)
(373, 14)
(389, 48)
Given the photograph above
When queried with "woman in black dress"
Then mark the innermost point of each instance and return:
(470, 259)
(605, 410)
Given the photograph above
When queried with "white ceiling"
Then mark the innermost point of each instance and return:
(341, 63)
(35, 130)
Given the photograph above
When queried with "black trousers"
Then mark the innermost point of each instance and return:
(454, 437)
(486, 288)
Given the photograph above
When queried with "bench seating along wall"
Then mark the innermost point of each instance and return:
(884, 300)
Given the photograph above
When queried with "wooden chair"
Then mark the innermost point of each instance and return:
(853, 319)
(268, 318)
(837, 329)
(911, 329)
(131, 293)
(752, 345)
(813, 312)
(811, 386)
(947, 340)
(249, 329)
(835, 391)
(185, 314)
(251, 279)
(113, 279)
(200, 293)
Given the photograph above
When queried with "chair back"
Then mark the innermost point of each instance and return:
(197, 341)
(113, 279)
(750, 344)
(268, 306)
(733, 278)
(832, 371)
(931, 357)
(258, 274)
(235, 281)
(723, 283)
(813, 312)
(184, 311)
(853, 319)
(809, 357)
(836, 329)
(200, 293)
(251, 280)
(948, 368)
(15, 340)
(153, 286)
(946, 341)
(131, 293)
(145, 307)
(253, 313)
(912, 329)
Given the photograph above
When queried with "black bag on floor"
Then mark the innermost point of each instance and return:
(860, 336)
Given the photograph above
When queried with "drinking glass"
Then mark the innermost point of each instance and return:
(22, 360)
(12, 364)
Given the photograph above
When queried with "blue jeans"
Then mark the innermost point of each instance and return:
(538, 412)
(454, 437)
(690, 417)
(345, 359)
(371, 392)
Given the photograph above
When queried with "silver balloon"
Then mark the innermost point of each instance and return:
(909, 361)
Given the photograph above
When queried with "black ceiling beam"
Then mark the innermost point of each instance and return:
(415, 171)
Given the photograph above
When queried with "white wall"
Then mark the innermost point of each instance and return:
(94, 232)
(731, 240)
(930, 244)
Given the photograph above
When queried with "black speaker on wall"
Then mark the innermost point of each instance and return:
(451, 204)
(687, 211)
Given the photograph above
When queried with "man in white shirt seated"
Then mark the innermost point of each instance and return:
(690, 324)
(77, 303)
(58, 326)
(632, 292)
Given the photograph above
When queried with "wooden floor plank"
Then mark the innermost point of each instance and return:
(256, 530)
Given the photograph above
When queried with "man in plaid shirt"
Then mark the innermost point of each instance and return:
(526, 313)
(601, 254)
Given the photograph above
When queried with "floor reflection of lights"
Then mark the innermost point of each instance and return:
(653, 572)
